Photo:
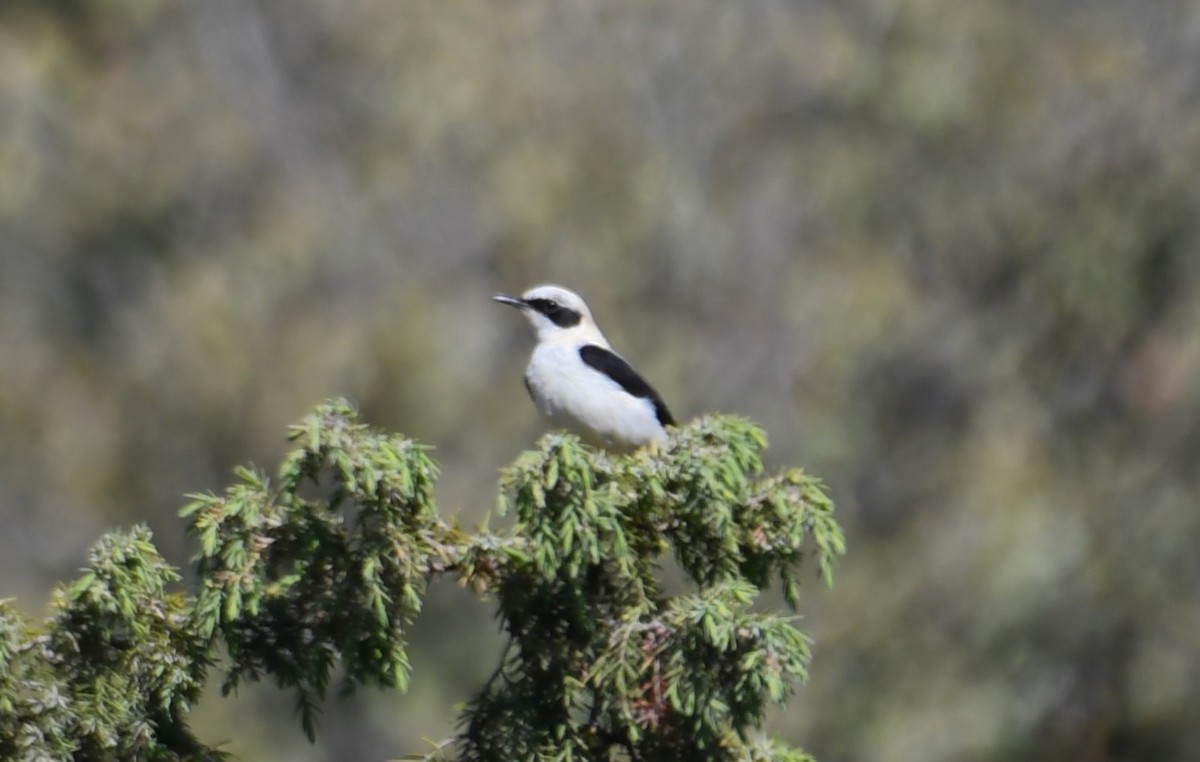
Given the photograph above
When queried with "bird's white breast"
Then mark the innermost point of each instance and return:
(580, 398)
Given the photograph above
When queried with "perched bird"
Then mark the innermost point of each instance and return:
(578, 382)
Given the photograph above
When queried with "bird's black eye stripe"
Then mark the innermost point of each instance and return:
(558, 314)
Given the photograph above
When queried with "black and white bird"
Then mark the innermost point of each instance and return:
(577, 380)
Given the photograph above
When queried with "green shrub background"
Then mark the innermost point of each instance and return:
(946, 252)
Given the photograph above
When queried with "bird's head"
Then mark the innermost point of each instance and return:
(553, 310)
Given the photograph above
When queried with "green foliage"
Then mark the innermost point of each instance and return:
(598, 657)
(326, 567)
(113, 674)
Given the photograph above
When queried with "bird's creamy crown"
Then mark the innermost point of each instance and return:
(554, 310)
(563, 297)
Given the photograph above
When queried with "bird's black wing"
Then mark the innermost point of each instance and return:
(614, 366)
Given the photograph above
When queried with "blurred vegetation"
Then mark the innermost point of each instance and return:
(947, 250)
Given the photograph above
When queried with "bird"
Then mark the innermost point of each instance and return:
(576, 380)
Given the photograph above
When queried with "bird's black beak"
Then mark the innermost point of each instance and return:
(511, 301)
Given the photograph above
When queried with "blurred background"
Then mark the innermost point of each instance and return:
(946, 252)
